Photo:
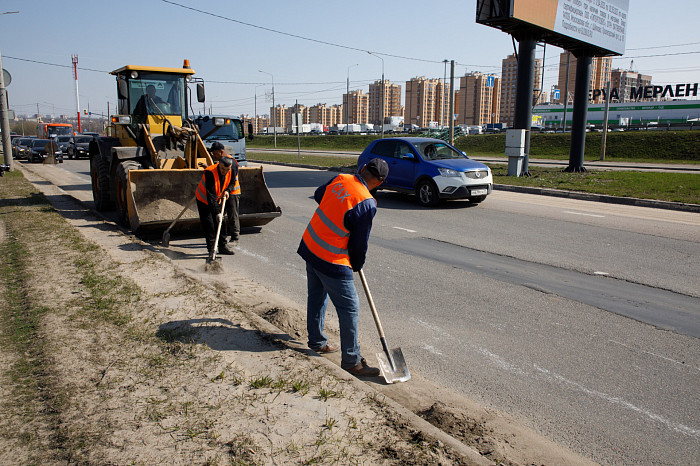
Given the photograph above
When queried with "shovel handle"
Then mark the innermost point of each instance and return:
(373, 308)
(189, 204)
(218, 229)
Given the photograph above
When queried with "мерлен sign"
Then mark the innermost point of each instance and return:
(651, 92)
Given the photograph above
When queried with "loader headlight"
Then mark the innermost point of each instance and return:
(448, 172)
(134, 74)
(121, 119)
(219, 121)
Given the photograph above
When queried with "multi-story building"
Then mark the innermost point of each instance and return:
(509, 81)
(424, 102)
(356, 107)
(279, 116)
(601, 68)
(337, 114)
(392, 101)
(296, 111)
(260, 122)
(624, 81)
(478, 99)
(325, 115)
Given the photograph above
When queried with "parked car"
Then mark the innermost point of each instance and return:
(38, 150)
(22, 148)
(79, 147)
(431, 169)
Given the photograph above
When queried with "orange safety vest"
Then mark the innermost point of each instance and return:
(201, 192)
(326, 235)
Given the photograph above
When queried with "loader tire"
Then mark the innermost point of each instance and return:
(99, 173)
(120, 190)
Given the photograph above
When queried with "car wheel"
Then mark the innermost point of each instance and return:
(427, 194)
(477, 199)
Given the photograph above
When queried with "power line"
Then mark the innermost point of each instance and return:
(665, 46)
(53, 64)
(296, 36)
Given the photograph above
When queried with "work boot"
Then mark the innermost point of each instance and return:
(328, 348)
(224, 250)
(363, 369)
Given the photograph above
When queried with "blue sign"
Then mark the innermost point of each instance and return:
(490, 80)
(556, 94)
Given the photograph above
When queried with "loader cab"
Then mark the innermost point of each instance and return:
(152, 96)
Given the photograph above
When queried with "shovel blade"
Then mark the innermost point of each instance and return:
(399, 372)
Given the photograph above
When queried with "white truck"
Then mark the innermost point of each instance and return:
(230, 133)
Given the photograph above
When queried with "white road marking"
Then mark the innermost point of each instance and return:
(405, 229)
(431, 349)
(655, 355)
(581, 213)
(683, 429)
(601, 273)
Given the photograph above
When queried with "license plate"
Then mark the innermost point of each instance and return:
(479, 192)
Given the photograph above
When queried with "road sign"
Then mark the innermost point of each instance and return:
(490, 81)
(556, 94)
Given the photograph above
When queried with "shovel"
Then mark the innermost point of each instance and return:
(214, 266)
(391, 363)
(166, 233)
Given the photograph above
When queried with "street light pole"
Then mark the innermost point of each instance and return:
(444, 84)
(274, 110)
(381, 117)
(4, 110)
(347, 93)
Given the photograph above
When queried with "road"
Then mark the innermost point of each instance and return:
(579, 319)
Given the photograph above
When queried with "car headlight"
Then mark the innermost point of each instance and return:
(448, 172)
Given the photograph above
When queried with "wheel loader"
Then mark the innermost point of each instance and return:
(153, 159)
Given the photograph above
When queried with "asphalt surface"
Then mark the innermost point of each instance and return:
(578, 318)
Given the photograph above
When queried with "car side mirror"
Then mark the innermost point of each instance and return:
(200, 92)
(250, 131)
(408, 156)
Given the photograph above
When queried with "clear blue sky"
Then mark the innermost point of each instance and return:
(228, 54)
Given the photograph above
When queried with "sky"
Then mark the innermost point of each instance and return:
(308, 47)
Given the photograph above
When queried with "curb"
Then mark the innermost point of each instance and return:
(631, 201)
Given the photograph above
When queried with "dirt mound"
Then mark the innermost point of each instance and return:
(290, 320)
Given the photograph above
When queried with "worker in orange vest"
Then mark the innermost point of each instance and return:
(218, 182)
(333, 246)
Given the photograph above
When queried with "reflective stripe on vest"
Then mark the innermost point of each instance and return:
(201, 192)
(326, 235)
(236, 185)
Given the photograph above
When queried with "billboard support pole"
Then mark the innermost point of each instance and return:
(580, 114)
(524, 91)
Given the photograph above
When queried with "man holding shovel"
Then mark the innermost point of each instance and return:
(219, 181)
(333, 246)
(233, 226)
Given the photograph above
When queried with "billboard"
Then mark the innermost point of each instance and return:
(570, 24)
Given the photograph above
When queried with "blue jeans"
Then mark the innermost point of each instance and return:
(344, 297)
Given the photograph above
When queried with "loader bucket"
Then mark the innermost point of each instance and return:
(257, 207)
(156, 197)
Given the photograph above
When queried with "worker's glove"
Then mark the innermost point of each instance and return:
(218, 218)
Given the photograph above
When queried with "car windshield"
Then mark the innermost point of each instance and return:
(40, 142)
(439, 151)
(231, 131)
(60, 130)
(64, 139)
(83, 140)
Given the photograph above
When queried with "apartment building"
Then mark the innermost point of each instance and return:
(392, 101)
(279, 116)
(478, 100)
(625, 80)
(601, 68)
(296, 111)
(356, 107)
(509, 82)
(424, 101)
(325, 115)
(259, 123)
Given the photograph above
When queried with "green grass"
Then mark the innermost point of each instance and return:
(658, 146)
(674, 187)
